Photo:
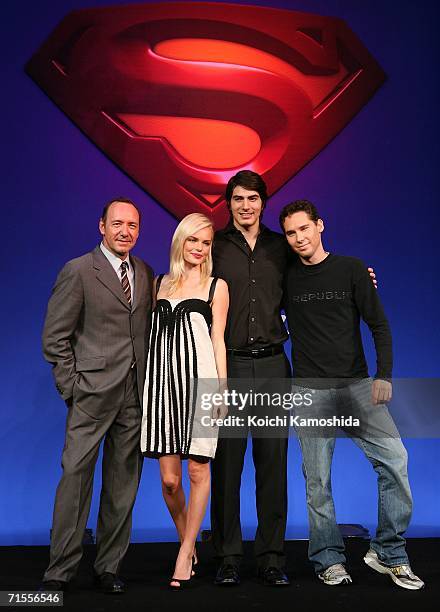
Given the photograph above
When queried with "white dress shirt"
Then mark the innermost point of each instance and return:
(116, 265)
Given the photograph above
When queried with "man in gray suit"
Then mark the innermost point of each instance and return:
(95, 336)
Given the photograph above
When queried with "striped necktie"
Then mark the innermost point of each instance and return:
(125, 282)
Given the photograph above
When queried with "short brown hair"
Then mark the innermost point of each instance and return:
(118, 199)
(299, 206)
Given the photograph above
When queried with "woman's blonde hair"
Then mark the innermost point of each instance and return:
(190, 225)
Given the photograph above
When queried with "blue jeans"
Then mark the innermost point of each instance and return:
(381, 444)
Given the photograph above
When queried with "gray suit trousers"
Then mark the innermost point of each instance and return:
(121, 471)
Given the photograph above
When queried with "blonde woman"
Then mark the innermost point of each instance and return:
(187, 351)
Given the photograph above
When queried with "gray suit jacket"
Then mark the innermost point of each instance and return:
(91, 336)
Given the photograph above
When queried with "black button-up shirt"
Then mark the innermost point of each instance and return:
(255, 281)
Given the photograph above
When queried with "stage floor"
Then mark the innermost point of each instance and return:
(148, 566)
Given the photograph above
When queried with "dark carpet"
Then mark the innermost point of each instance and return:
(147, 568)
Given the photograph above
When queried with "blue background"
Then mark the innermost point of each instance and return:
(376, 185)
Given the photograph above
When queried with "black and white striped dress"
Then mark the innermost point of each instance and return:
(180, 366)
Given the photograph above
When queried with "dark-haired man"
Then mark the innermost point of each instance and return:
(95, 336)
(252, 260)
(326, 296)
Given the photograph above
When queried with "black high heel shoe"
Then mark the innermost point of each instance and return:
(194, 563)
(181, 583)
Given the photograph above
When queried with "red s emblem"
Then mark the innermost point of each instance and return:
(183, 95)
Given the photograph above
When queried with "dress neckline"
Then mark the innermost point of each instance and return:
(182, 299)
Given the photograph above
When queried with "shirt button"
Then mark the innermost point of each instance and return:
(253, 280)
(254, 300)
(252, 319)
(251, 339)
(252, 260)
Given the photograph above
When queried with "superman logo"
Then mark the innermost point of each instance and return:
(183, 95)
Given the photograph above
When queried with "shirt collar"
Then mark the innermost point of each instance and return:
(113, 259)
(231, 229)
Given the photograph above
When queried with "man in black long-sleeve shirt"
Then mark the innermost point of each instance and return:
(252, 260)
(325, 297)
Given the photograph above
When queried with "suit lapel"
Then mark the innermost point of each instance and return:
(108, 277)
(140, 281)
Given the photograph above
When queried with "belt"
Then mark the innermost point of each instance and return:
(257, 353)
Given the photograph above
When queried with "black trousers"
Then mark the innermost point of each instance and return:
(270, 462)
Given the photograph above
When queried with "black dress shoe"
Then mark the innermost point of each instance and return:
(273, 576)
(227, 575)
(110, 583)
(53, 585)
